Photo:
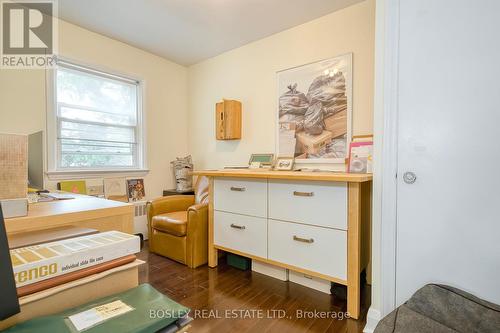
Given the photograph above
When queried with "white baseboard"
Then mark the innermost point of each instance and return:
(372, 319)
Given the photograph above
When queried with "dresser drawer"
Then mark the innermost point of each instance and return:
(314, 203)
(241, 196)
(242, 233)
(316, 249)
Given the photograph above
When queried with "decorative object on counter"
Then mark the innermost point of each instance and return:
(14, 166)
(115, 189)
(167, 193)
(284, 163)
(182, 170)
(361, 154)
(73, 186)
(228, 120)
(135, 189)
(314, 114)
(258, 161)
(95, 188)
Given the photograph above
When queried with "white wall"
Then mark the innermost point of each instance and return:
(23, 101)
(248, 74)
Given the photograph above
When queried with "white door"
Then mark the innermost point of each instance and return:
(448, 228)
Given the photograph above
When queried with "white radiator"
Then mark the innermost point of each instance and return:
(140, 219)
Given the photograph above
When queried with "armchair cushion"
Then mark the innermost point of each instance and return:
(174, 223)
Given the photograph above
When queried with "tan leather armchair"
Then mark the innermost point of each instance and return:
(178, 226)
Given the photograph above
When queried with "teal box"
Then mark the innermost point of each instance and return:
(239, 262)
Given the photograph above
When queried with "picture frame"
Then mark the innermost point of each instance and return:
(263, 160)
(314, 113)
(135, 190)
(284, 164)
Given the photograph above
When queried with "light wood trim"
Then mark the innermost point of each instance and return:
(212, 251)
(280, 264)
(291, 175)
(354, 250)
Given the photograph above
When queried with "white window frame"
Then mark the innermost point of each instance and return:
(54, 170)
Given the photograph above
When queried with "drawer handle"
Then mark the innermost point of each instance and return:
(303, 240)
(237, 189)
(235, 226)
(303, 194)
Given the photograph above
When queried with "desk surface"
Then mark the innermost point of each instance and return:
(67, 212)
(292, 175)
(78, 205)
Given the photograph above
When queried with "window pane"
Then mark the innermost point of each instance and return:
(95, 161)
(96, 92)
(73, 130)
(97, 119)
(97, 116)
(81, 146)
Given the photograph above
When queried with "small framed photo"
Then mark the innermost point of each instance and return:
(284, 163)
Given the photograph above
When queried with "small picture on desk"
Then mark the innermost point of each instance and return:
(136, 190)
(115, 189)
(284, 164)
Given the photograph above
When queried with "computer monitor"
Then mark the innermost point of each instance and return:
(35, 160)
(9, 303)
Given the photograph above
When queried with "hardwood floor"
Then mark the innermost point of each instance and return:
(226, 299)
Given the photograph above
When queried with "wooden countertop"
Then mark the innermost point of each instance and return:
(80, 208)
(291, 175)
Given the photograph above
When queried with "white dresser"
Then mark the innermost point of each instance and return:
(312, 223)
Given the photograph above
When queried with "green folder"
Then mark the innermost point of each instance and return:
(152, 311)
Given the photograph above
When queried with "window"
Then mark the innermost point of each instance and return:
(97, 121)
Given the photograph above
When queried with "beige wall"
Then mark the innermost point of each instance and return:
(248, 74)
(23, 101)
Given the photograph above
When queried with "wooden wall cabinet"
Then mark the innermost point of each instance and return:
(228, 120)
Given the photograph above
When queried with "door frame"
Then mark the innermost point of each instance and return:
(389, 158)
(385, 159)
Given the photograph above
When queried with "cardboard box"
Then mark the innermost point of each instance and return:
(311, 282)
(337, 124)
(270, 270)
(40, 262)
(312, 144)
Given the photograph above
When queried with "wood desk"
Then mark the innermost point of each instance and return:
(314, 223)
(83, 211)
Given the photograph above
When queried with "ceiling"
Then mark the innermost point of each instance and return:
(189, 31)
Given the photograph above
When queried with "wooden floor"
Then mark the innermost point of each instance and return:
(248, 296)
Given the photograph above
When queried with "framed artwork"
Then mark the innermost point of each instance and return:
(115, 189)
(136, 190)
(315, 111)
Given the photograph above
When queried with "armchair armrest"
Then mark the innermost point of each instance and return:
(197, 235)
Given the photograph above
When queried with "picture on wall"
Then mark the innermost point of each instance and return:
(136, 190)
(315, 111)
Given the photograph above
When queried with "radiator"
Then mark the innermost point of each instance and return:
(140, 219)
